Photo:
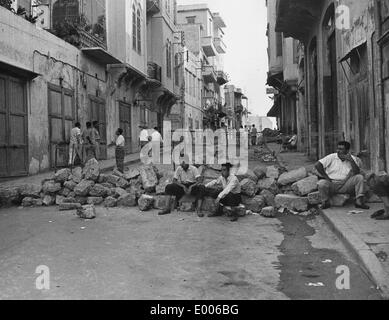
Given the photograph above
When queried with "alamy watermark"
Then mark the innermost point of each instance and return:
(203, 147)
(42, 282)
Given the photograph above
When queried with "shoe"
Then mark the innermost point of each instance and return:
(383, 217)
(200, 214)
(164, 212)
(214, 215)
(377, 214)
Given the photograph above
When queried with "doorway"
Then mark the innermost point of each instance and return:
(125, 123)
(13, 127)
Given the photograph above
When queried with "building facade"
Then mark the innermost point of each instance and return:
(344, 72)
(80, 61)
(204, 38)
(283, 75)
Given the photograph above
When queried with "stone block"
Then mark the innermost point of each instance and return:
(314, 198)
(260, 172)
(62, 175)
(59, 199)
(269, 212)
(48, 200)
(95, 200)
(305, 186)
(118, 192)
(269, 184)
(255, 204)
(146, 202)
(30, 190)
(249, 188)
(110, 202)
(249, 174)
(87, 212)
(51, 187)
(99, 190)
(31, 202)
(291, 202)
(187, 203)
(91, 170)
(70, 185)
(132, 174)
(149, 177)
(162, 202)
(81, 200)
(127, 200)
(83, 188)
(269, 198)
(292, 176)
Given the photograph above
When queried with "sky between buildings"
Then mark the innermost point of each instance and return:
(246, 59)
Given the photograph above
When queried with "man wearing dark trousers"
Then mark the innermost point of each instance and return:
(230, 193)
(187, 181)
(342, 174)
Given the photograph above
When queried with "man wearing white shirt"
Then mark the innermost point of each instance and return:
(342, 174)
(75, 143)
(120, 150)
(143, 137)
(230, 196)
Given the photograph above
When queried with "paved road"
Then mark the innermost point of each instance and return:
(125, 254)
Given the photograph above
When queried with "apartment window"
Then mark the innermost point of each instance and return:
(279, 44)
(295, 51)
(169, 59)
(191, 20)
(136, 29)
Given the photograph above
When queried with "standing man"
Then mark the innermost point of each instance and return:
(75, 143)
(120, 150)
(342, 175)
(254, 134)
(97, 136)
(229, 196)
(88, 136)
(143, 137)
(186, 181)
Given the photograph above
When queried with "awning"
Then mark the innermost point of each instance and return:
(18, 71)
(274, 111)
(275, 80)
(100, 56)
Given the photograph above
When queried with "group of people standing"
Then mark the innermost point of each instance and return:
(85, 144)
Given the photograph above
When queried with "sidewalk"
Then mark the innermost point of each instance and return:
(367, 239)
(105, 166)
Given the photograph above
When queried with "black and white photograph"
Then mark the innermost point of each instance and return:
(194, 155)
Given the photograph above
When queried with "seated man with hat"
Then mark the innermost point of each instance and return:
(186, 181)
(231, 194)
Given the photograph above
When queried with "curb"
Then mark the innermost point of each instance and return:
(361, 251)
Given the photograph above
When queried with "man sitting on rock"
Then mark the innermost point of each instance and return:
(186, 181)
(342, 175)
(230, 196)
(379, 184)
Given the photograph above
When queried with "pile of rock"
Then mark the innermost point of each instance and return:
(82, 189)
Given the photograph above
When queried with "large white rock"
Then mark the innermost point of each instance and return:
(305, 186)
(272, 172)
(62, 175)
(249, 187)
(91, 170)
(83, 188)
(149, 177)
(255, 204)
(87, 212)
(292, 176)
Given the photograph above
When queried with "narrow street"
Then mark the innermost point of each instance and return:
(127, 254)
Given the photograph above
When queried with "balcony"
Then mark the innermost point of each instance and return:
(153, 7)
(154, 74)
(295, 18)
(222, 78)
(220, 45)
(209, 74)
(208, 46)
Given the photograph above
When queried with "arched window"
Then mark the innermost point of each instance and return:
(139, 32)
(134, 28)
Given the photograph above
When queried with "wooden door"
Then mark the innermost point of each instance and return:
(61, 121)
(97, 113)
(13, 127)
(125, 124)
